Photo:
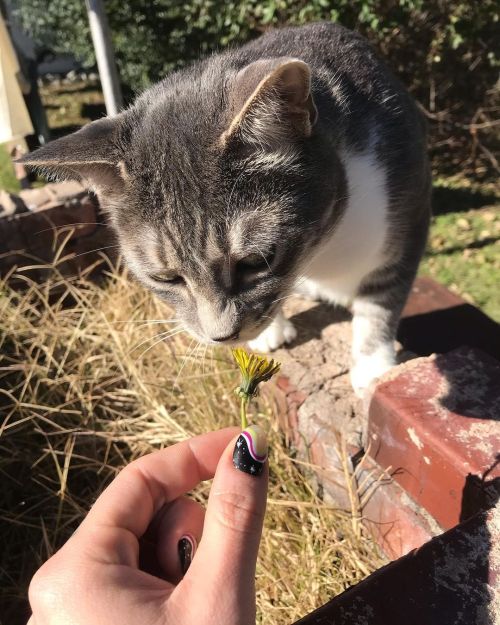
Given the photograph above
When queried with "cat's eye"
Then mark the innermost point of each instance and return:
(168, 278)
(255, 263)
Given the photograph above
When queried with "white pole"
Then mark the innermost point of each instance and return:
(105, 57)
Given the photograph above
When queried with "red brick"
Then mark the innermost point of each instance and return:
(396, 522)
(49, 227)
(313, 424)
(427, 296)
(435, 424)
(39, 235)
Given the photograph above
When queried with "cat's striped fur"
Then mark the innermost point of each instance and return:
(295, 161)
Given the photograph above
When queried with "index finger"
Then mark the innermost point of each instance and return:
(145, 485)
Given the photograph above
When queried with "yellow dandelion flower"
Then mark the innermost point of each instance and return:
(254, 370)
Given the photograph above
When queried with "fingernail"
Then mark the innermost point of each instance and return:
(186, 548)
(250, 451)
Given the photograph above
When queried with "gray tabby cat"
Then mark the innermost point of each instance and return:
(296, 162)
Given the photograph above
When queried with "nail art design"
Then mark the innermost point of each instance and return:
(186, 548)
(250, 451)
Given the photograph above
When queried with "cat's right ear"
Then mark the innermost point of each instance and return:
(271, 102)
(90, 155)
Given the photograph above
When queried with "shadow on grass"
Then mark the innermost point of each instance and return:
(448, 200)
(473, 245)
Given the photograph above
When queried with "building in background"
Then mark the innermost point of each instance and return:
(15, 120)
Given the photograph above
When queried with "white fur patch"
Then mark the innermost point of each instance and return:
(277, 333)
(367, 366)
(356, 246)
(367, 315)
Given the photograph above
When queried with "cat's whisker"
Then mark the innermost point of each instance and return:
(203, 361)
(99, 249)
(147, 321)
(58, 229)
(280, 299)
(152, 338)
(184, 360)
(265, 259)
(302, 279)
(194, 356)
(161, 340)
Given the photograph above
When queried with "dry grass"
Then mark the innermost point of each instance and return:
(86, 387)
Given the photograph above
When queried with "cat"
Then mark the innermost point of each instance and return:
(295, 162)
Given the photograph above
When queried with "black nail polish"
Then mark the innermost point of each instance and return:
(186, 548)
(250, 451)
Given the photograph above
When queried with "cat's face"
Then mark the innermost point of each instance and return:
(212, 198)
(224, 253)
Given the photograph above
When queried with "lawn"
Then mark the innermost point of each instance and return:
(463, 251)
(8, 181)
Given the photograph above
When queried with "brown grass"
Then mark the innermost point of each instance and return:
(86, 387)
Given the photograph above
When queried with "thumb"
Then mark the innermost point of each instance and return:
(225, 562)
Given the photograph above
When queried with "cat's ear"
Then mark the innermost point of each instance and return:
(271, 102)
(90, 155)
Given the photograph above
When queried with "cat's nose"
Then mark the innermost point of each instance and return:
(232, 337)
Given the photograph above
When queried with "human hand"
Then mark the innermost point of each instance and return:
(122, 565)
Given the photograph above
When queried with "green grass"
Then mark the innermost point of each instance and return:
(8, 180)
(464, 244)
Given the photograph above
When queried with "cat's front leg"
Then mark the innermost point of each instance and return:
(373, 335)
(277, 333)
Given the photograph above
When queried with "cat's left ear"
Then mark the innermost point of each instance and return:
(271, 102)
(90, 155)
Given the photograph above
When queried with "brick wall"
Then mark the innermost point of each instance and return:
(68, 233)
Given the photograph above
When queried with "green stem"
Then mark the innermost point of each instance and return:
(243, 413)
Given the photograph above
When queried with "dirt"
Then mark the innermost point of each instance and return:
(317, 363)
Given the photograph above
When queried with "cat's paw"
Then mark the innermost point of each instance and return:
(366, 370)
(279, 332)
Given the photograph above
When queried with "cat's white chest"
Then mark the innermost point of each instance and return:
(356, 246)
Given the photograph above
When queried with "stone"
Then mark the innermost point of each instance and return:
(454, 579)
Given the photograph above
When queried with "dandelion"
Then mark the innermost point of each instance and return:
(254, 370)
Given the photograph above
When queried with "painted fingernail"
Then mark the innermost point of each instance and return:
(186, 548)
(250, 451)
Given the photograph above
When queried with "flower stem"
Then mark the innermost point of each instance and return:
(243, 413)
